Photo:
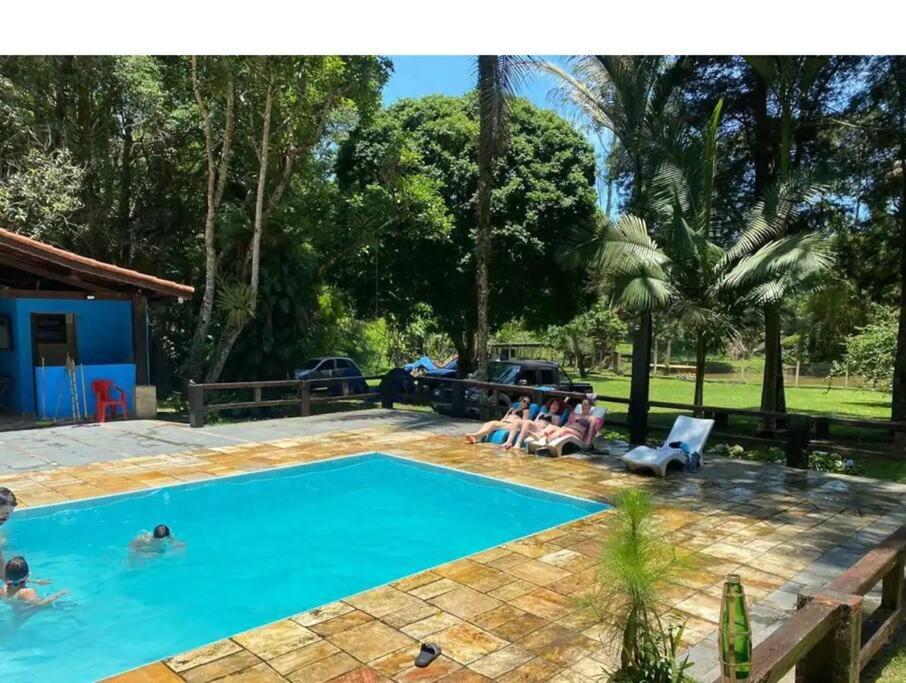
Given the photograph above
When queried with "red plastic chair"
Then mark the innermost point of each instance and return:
(103, 398)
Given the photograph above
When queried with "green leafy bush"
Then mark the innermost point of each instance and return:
(871, 351)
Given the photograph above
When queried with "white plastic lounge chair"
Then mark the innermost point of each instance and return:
(691, 431)
(555, 447)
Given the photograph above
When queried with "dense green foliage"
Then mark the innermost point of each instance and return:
(589, 338)
(410, 178)
(367, 228)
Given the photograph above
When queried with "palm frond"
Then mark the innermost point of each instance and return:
(780, 265)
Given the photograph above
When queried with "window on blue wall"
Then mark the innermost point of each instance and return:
(6, 332)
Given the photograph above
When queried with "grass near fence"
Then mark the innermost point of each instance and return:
(817, 400)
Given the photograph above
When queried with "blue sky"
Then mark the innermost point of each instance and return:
(419, 75)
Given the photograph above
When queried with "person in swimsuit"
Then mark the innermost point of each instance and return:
(513, 417)
(578, 422)
(15, 590)
(156, 542)
(8, 504)
(546, 422)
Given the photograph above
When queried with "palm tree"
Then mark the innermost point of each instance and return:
(788, 79)
(498, 76)
(691, 278)
(626, 95)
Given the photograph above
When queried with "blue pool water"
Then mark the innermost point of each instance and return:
(259, 547)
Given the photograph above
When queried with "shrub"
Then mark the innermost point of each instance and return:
(637, 559)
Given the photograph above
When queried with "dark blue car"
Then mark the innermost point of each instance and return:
(332, 366)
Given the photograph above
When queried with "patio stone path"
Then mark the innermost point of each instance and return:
(512, 613)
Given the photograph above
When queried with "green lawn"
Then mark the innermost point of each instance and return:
(843, 402)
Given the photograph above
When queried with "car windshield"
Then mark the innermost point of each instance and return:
(502, 373)
(310, 364)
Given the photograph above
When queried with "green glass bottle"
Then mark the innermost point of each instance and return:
(735, 632)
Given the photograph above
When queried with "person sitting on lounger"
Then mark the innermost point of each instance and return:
(514, 416)
(546, 423)
(578, 423)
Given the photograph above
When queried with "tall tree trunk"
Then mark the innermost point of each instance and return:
(898, 404)
(124, 210)
(487, 141)
(217, 176)
(638, 391)
(233, 332)
(700, 355)
(769, 385)
(580, 357)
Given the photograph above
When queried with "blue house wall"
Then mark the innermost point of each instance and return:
(104, 345)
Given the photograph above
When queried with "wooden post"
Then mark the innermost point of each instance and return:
(196, 405)
(256, 394)
(638, 390)
(796, 381)
(798, 434)
(140, 338)
(846, 378)
(892, 586)
(654, 366)
(387, 390)
(835, 659)
(459, 400)
(344, 387)
(305, 398)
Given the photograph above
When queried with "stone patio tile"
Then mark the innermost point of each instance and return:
(341, 623)
(475, 575)
(465, 643)
(409, 615)
(537, 669)
(289, 662)
(260, 673)
(500, 662)
(220, 667)
(416, 581)
(570, 676)
(382, 601)
(395, 662)
(701, 605)
(546, 604)
(558, 644)
(203, 655)
(364, 674)
(439, 668)
(370, 641)
(325, 669)
(153, 673)
(518, 627)
(464, 602)
(433, 589)
(319, 614)
(276, 639)
(436, 622)
(513, 590)
(509, 559)
(538, 572)
(465, 675)
(497, 617)
(568, 559)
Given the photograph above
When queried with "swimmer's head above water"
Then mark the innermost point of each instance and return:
(161, 531)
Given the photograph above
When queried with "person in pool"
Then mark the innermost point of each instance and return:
(15, 589)
(546, 423)
(8, 504)
(155, 542)
(513, 417)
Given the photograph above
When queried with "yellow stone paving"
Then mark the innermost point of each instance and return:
(511, 613)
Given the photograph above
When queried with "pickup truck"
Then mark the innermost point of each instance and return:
(523, 373)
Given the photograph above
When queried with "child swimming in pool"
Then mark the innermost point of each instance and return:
(15, 590)
(155, 542)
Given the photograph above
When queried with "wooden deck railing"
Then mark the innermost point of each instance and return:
(304, 393)
(829, 639)
(801, 427)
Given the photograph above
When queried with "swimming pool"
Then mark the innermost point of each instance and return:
(259, 547)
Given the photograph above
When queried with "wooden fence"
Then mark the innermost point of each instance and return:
(800, 427)
(829, 639)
